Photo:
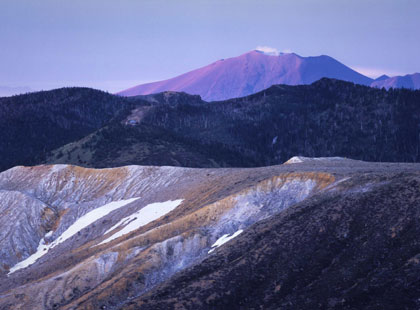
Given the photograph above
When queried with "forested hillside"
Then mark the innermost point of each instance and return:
(35, 123)
(95, 129)
(327, 118)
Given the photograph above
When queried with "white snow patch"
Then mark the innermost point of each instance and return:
(48, 234)
(40, 251)
(268, 50)
(295, 160)
(223, 239)
(142, 217)
(77, 226)
(92, 217)
(301, 159)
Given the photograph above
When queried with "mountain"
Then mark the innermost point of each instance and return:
(316, 233)
(326, 118)
(381, 78)
(35, 123)
(94, 129)
(250, 73)
(411, 81)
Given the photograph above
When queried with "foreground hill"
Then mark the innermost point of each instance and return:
(250, 73)
(314, 234)
(326, 118)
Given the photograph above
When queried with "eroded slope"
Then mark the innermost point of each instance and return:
(102, 242)
(108, 238)
(357, 251)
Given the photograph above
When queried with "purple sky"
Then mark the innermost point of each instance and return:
(112, 45)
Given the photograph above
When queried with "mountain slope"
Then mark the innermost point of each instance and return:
(410, 81)
(308, 257)
(250, 73)
(321, 233)
(381, 78)
(94, 129)
(36, 123)
(326, 118)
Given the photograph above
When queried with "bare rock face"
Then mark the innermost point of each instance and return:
(24, 221)
(78, 238)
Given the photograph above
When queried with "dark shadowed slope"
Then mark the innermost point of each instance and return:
(358, 250)
(33, 124)
(250, 73)
(94, 129)
(327, 118)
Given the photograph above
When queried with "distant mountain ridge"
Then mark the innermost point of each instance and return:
(411, 81)
(250, 73)
(382, 78)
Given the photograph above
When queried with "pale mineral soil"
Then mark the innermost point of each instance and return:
(310, 232)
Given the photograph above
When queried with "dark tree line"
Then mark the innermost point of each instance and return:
(326, 118)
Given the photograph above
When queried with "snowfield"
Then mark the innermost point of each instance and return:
(84, 221)
(142, 217)
(223, 239)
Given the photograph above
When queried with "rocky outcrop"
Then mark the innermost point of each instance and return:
(24, 221)
(114, 238)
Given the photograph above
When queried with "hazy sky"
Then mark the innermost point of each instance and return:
(115, 44)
